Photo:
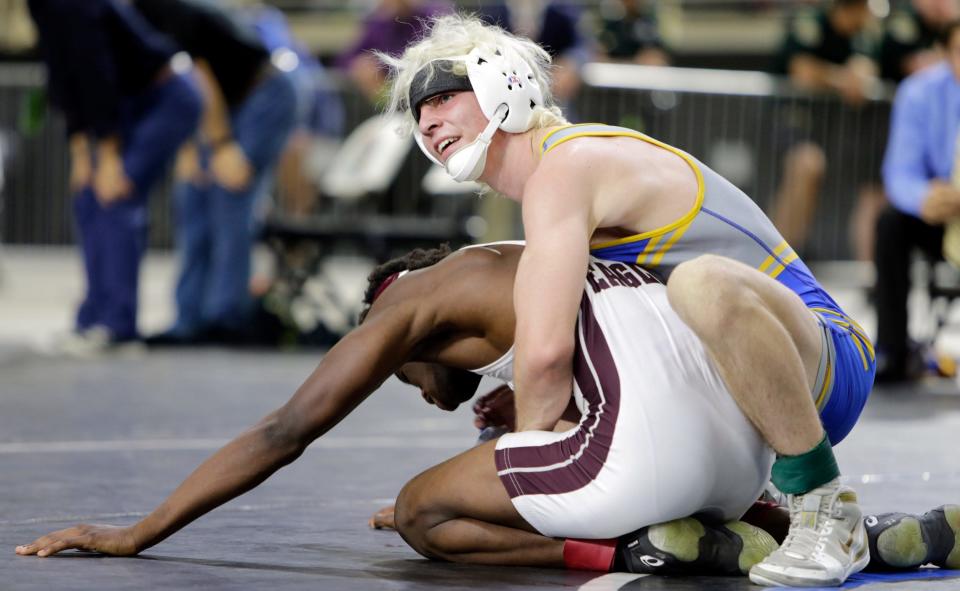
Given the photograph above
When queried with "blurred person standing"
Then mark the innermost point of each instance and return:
(831, 51)
(127, 111)
(388, 28)
(555, 26)
(910, 38)
(629, 32)
(920, 159)
(250, 108)
(319, 122)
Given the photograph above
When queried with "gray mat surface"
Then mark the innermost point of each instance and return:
(105, 441)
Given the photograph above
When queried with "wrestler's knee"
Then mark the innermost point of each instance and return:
(730, 297)
(414, 517)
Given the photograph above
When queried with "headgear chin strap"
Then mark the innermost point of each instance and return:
(467, 163)
(506, 89)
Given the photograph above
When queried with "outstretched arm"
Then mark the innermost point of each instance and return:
(352, 370)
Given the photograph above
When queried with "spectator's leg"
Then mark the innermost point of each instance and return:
(162, 120)
(85, 212)
(123, 238)
(871, 202)
(227, 303)
(191, 202)
(261, 126)
(796, 199)
(897, 236)
(170, 115)
(263, 123)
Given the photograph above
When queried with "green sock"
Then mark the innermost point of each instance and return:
(802, 473)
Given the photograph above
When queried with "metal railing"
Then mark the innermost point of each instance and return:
(739, 123)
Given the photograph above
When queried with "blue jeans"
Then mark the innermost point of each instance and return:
(216, 227)
(113, 238)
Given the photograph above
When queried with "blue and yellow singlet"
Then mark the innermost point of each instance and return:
(722, 221)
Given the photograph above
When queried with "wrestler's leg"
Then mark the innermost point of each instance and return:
(767, 347)
(493, 410)
(764, 340)
(459, 511)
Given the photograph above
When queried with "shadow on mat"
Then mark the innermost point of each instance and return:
(414, 571)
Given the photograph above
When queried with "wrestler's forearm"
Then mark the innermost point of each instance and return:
(236, 468)
(542, 396)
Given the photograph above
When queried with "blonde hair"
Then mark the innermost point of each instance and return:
(456, 35)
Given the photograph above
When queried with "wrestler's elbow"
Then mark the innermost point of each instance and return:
(549, 359)
(284, 434)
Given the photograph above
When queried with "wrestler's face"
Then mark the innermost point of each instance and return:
(442, 386)
(449, 121)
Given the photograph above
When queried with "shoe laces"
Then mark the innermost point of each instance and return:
(811, 517)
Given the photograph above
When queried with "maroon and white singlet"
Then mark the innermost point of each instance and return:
(660, 438)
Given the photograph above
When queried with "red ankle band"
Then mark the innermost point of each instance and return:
(589, 554)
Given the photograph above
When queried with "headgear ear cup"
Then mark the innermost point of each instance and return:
(503, 77)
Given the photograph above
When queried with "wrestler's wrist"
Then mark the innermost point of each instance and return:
(145, 533)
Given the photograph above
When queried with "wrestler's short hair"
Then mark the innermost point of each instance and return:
(456, 35)
(417, 258)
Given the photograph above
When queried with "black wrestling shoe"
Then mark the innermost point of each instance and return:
(899, 541)
(690, 546)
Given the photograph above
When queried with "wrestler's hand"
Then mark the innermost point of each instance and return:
(230, 167)
(495, 409)
(105, 539)
(383, 519)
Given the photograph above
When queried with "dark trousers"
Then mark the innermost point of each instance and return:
(898, 235)
(113, 238)
(216, 227)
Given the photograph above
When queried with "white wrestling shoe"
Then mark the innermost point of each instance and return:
(827, 541)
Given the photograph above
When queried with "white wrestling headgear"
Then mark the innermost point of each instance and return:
(506, 89)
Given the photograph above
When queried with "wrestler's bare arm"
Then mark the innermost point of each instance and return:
(350, 372)
(557, 221)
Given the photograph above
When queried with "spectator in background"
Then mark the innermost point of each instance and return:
(629, 32)
(127, 112)
(826, 51)
(388, 29)
(921, 156)
(555, 27)
(910, 37)
(250, 110)
(319, 121)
